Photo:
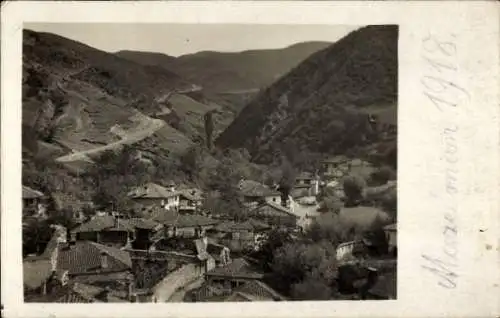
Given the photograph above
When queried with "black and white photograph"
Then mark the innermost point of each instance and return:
(209, 162)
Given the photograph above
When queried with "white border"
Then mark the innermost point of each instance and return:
(422, 200)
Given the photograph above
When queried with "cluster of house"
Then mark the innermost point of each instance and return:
(111, 258)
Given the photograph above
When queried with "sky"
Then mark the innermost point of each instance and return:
(181, 39)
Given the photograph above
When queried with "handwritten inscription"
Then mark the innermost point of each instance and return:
(440, 86)
(443, 92)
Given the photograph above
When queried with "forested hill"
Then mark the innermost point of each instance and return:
(230, 71)
(340, 99)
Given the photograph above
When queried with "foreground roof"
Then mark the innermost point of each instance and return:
(105, 223)
(252, 188)
(85, 257)
(152, 191)
(36, 272)
(173, 218)
(29, 193)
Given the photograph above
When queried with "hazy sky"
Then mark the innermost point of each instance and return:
(179, 39)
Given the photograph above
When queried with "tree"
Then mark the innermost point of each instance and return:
(295, 262)
(36, 235)
(274, 240)
(287, 181)
(353, 188)
(383, 175)
(209, 128)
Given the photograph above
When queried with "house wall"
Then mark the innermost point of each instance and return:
(344, 250)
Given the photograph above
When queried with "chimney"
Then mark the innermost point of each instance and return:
(104, 260)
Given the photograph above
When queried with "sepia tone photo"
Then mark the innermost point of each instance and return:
(209, 162)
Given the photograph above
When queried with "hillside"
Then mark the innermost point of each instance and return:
(324, 104)
(77, 99)
(230, 72)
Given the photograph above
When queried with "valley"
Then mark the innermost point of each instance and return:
(257, 175)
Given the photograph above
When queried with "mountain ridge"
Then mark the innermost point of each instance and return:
(324, 104)
(226, 71)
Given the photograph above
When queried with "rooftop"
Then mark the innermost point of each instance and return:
(29, 193)
(237, 268)
(173, 218)
(152, 191)
(106, 223)
(85, 257)
(252, 188)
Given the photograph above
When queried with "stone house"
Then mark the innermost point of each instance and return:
(154, 195)
(275, 215)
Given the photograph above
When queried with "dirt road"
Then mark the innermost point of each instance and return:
(145, 130)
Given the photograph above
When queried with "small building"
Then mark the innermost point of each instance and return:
(190, 200)
(239, 236)
(34, 202)
(91, 262)
(152, 194)
(107, 230)
(335, 167)
(391, 237)
(233, 275)
(274, 215)
(254, 192)
(183, 225)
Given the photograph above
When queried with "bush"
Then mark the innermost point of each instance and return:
(383, 175)
(353, 188)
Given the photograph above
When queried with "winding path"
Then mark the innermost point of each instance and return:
(147, 129)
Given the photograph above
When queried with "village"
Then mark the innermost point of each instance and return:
(175, 250)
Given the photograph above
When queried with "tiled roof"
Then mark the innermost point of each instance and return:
(85, 257)
(142, 223)
(225, 226)
(258, 225)
(87, 291)
(237, 268)
(336, 159)
(29, 193)
(63, 294)
(260, 289)
(240, 296)
(104, 223)
(305, 176)
(153, 191)
(278, 209)
(252, 188)
(36, 272)
(191, 220)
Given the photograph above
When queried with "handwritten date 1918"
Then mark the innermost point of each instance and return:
(440, 80)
